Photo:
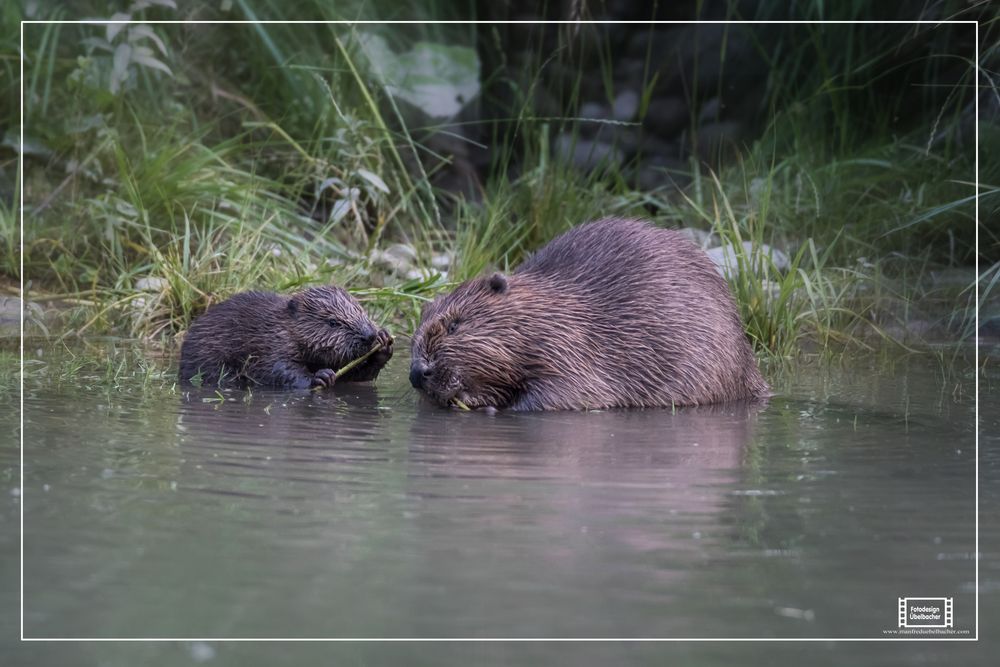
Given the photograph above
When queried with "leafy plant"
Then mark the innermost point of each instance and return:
(125, 49)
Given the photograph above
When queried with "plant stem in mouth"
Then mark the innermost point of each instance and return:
(459, 404)
(351, 364)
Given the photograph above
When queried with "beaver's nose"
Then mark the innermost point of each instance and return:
(419, 372)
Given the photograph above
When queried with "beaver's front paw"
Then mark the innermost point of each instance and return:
(324, 377)
(386, 340)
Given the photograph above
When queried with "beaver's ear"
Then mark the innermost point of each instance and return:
(498, 283)
(293, 305)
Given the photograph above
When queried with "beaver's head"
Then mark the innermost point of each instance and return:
(471, 344)
(330, 327)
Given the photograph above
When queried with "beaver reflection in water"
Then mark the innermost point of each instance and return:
(613, 313)
(297, 341)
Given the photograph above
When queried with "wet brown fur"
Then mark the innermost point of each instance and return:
(297, 341)
(613, 313)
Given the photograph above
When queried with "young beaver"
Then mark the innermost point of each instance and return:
(299, 341)
(613, 313)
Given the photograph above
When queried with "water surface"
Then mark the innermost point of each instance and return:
(366, 512)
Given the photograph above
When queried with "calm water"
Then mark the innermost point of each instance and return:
(367, 513)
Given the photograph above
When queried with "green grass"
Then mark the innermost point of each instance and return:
(98, 366)
(10, 238)
(284, 165)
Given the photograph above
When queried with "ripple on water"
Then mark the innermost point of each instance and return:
(368, 511)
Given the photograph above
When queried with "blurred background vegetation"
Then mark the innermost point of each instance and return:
(167, 166)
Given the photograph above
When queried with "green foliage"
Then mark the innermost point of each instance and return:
(115, 60)
(436, 78)
(168, 167)
(10, 241)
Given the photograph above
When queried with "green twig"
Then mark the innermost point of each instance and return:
(351, 364)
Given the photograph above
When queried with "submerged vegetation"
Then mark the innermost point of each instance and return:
(169, 166)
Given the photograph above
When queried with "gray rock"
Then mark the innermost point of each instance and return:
(780, 259)
(631, 72)
(137, 308)
(441, 261)
(654, 148)
(622, 137)
(661, 43)
(699, 237)
(521, 41)
(415, 274)
(953, 277)
(626, 105)
(726, 262)
(590, 112)
(713, 138)
(689, 57)
(700, 51)
(594, 110)
(10, 310)
(150, 284)
(10, 316)
(402, 252)
(989, 328)
(666, 116)
(611, 33)
(661, 172)
(35, 317)
(772, 288)
(397, 258)
(585, 154)
(424, 274)
(759, 187)
(709, 111)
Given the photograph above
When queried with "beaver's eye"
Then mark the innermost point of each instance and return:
(333, 323)
(453, 326)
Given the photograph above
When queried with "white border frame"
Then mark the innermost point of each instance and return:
(20, 166)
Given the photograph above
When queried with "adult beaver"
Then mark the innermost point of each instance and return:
(295, 341)
(613, 313)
